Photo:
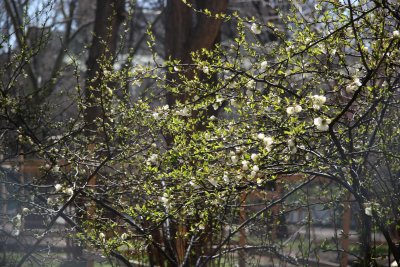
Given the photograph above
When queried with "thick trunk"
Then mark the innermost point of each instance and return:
(178, 26)
(108, 18)
(109, 15)
(187, 31)
(366, 242)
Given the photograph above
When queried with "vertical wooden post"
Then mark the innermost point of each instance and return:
(180, 242)
(3, 192)
(91, 209)
(21, 169)
(275, 211)
(242, 237)
(3, 195)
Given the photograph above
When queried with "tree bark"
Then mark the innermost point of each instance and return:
(187, 31)
(109, 16)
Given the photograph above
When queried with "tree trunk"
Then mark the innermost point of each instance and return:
(183, 35)
(187, 31)
(366, 242)
(108, 18)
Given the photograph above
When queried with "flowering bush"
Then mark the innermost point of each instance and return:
(170, 180)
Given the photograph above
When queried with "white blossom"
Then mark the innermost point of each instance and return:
(153, 159)
(263, 66)
(318, 101)
(251, 83)
(225, 178)
(58, 187)
(268, 140)
(353, 86)
(298, 108)
(322, 124)
(185, 112)
(164, 199)
(256, 168)
(290, 111)
(102, 237)
(107, 73)
(293, 109)
(259, 181)
(15, 232)
(156, 115)
(193, 183)
(253, 174)
(69, 191)
(261, 136)
(254, 157)
(255, 28)
(396, 34)
(245, 165)
(124, 236)
(206, 69)
(25, 211)
(219, 99)
(368, 208)
(234, 159)
(357, 82)
(17, 221)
